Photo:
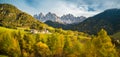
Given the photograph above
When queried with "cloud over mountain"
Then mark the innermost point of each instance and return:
(76, 7)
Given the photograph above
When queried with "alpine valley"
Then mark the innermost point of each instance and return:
(22, 35)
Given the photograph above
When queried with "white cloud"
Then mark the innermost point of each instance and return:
(60, 7)
(65, 8)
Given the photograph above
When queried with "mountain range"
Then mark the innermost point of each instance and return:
(65, 19)
(108, 20)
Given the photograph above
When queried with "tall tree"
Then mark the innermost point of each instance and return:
(103, 45)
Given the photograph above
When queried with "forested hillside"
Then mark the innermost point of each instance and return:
(109, 20)
(19, 43)
(11, 17)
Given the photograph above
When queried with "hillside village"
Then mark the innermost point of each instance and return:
(34, 31)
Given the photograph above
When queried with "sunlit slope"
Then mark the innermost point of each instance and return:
(12, 17)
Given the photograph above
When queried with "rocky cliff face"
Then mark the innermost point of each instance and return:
(70, 19)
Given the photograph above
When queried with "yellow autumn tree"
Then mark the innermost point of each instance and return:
(42, 50)
(103, 45)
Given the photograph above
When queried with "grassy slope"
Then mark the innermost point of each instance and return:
(11, 17)
(116, 35)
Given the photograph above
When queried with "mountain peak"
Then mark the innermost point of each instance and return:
(41, 14)
(65, 19)
(68, 15)
(51, 14)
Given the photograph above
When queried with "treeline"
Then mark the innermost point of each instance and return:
(17, 43)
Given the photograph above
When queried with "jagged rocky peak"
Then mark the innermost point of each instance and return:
(41, 14)
(69, 19)
(51, 16)
(67, 16)
(65, 19)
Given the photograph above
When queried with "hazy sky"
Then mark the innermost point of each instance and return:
(60, 7)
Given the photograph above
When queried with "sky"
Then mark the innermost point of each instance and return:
(86, 8)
